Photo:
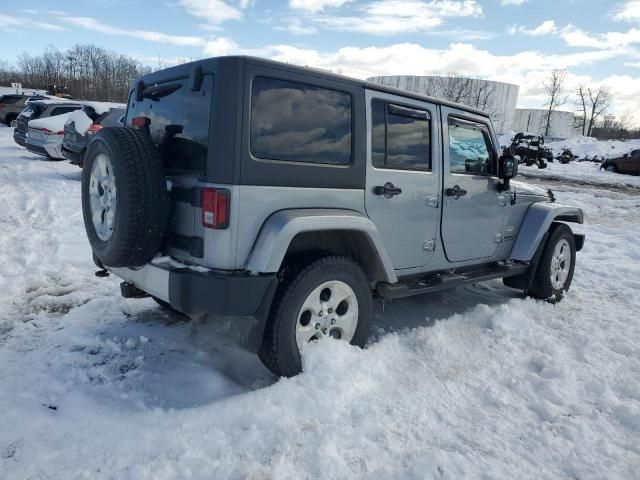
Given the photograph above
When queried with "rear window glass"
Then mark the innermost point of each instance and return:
(9, 99)
(179, 122)
(296, 122)
(60, 110)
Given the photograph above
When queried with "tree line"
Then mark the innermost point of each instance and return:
(83, 71)
(591, 104)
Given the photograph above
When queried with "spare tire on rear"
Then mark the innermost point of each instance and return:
(125, 203)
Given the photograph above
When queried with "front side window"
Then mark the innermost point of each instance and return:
(296, 122)
(400, 137)
(468, 148)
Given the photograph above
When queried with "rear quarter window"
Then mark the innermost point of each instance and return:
(179, 122)
(296, 122)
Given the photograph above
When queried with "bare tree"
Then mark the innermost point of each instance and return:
(554, 88)
(581, 103)
(454, 87)
(599, 100)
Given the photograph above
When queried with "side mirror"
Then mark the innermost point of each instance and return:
(625, 155)
(507, 169)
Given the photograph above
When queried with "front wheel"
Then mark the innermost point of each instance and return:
(555, 270)
(328, 298)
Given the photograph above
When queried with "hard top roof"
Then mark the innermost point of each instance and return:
(316, 72)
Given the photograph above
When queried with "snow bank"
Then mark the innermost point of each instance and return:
(472, 383)
(587, 147)
(580, 172)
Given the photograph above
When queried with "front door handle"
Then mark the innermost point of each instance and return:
(456, 192)
(388, 190)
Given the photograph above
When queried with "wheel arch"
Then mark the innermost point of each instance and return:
(537, 222)
(340, 232)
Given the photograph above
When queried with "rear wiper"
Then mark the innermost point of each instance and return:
(155, 92)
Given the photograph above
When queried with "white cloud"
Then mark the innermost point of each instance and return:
(220, 46)
(513, 2)
(213, 11)
(629, 11)
(576, 37)
(392, 17)
(9, 22)
(547, 27)
(92, 24)
(296, 27)
(314, 6)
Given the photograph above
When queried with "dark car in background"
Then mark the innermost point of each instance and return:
(628, 163)
(76, 137)
(12, 104)
(40, 109)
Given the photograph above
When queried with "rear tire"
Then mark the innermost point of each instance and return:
(343, 309)
(557, 263)
(125, 203)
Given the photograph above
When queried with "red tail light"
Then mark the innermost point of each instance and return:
(140, 121)
(94, 128)
(215, 208)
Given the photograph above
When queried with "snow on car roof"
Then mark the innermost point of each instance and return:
(55, 123)
(102, 107)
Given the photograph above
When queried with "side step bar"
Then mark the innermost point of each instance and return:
(443, 281)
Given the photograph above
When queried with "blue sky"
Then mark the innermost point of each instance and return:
(518, 41)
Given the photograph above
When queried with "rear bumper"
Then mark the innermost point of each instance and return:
(20, 138)
(229, 294)
(51, 146)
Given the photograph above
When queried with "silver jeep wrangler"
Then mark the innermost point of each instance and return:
(287, 197)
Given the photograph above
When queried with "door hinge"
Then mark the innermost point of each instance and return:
(429, 245)
(433, 201)
(497, 238)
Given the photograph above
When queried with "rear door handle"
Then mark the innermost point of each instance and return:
(456, 192)
(388, 190)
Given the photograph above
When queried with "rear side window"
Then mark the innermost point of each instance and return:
(179, 122)
(400, 137)
(61, 110)
(296, 122)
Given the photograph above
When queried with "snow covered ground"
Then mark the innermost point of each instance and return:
(474, 383)
(587, 173)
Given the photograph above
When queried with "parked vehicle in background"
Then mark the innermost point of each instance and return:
(566, 156)
(81, 125)
(284, 197)
(11, 105)
(40, 109)
(530, 148)
(628, 163)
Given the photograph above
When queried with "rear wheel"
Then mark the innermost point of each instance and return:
(11, 120)
(556, 266)
(125, 202)
(328, 298)
(610, 167)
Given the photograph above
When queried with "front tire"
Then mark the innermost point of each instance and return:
(330, 297)
(555, 269)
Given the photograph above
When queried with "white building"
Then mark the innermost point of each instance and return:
(496, 98)
(562, 125)
(21, 91)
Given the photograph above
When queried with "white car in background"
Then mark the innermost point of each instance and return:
(45, 135)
